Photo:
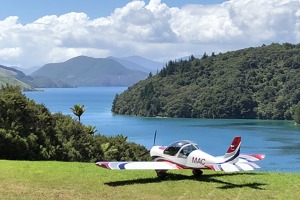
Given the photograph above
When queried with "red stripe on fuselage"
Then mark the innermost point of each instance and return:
(179, 166)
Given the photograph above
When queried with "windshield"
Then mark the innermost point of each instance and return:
(174, 148)
(186, 150)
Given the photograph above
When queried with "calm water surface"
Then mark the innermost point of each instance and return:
(279, 140)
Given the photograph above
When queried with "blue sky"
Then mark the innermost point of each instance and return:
(37, 32)
(30, 10)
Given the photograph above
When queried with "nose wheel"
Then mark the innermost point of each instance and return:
(197, 172)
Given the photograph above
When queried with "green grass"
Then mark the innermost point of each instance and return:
(62, 180)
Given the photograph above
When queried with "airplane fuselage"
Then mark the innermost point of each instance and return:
(196, 159)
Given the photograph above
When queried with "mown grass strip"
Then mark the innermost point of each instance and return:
(73, 180)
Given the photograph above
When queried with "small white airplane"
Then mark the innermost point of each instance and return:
(186, 154)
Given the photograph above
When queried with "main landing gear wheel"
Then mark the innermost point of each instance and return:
(161, 173)
(197, 172)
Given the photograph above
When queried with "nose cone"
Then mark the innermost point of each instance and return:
(157, 151)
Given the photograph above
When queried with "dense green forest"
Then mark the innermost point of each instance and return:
(252, 83)
(29, 131)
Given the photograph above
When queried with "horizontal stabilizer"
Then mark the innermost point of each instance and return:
(138, 165)
(238, 166)
(251, 157)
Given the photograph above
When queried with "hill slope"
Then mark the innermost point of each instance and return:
(87, 71)
(254, 83)
(12, 76)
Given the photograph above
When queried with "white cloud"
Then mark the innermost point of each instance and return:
(202, 24)
(265, 21)
(153, 30)
(7, 53)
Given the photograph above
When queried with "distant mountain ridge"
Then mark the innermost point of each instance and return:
(82, 71)
(27, 71)
(130, 65)
(88, 71)
(151, 65)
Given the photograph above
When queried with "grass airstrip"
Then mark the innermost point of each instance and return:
(73, 180)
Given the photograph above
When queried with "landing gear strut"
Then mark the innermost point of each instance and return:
(197, 172)
(161, 173)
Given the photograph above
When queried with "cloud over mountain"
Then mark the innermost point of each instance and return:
(152, 30)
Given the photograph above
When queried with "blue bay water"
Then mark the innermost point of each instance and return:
(279, 140)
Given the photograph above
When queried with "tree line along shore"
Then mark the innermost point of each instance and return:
(251, 83)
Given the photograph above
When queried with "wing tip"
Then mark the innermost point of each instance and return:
(103, 165)
(260, 156)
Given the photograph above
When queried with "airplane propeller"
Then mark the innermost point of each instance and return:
(154, 139)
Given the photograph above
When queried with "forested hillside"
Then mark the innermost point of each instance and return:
(29, 131)
(12, 76)
(256, 83)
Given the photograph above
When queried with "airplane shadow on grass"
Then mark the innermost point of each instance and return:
(208, 178)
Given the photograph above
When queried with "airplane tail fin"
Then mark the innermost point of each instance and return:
(233, 161)
(233, 150)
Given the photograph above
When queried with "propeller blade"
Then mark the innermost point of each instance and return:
(154, 138)
(153, 145)
(144, 153)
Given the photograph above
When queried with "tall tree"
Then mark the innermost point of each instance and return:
(78, 110)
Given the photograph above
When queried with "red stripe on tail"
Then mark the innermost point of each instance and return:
(234, 145)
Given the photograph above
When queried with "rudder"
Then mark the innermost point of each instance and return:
(234, 148)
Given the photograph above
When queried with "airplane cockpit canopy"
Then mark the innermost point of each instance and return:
(185, 147)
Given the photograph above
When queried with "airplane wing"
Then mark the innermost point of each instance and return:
(138, 165)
